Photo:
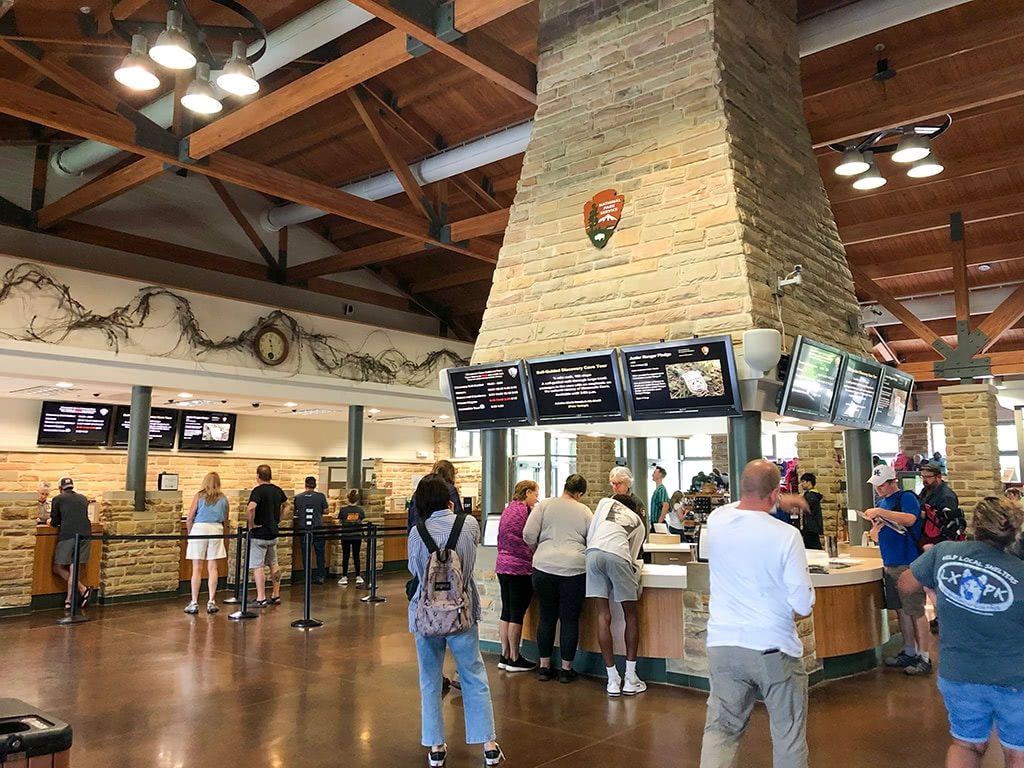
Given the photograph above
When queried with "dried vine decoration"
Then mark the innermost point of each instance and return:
(328, 353)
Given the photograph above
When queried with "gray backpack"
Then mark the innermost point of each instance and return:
(444, 603)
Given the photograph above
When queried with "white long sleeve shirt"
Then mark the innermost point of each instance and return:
(759, 579)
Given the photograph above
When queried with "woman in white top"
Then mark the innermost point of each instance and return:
(556, 531)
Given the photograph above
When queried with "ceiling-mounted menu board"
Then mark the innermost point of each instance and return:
(694, 378)
(74, 424)
(163, 423)
(858, 391)
(810, 386)
(893, 400)
(206, 431)
(490, 396)
(580, 388)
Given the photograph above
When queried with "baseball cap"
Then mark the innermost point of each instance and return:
(883, 473)
(67, 484)
(311, 482)
(933, 466)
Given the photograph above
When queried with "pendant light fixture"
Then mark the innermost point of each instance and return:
(852, 164)
(871, 178)
(238, 76)
(200, 97)
(925, 167)
(911, 148)
(172, 49)
(136, 70)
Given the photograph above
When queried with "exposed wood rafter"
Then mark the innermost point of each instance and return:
(243, 221)
(461, 277)
(868, 286)
(958, 252)
(1004, 317)
(99, 191)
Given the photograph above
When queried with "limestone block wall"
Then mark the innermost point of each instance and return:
(720, 453)
(969, 415)
(819, 454)
(17, 549)
(139, 567)
(238, 501)
(915, 439)
(595, 457)
(398, 479)
(444, 443)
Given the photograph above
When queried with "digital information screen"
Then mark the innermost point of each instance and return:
(579, 389)
(490, 396)
(682, 379)
(858, 390)
(163, 423)
(74, 424)
(206, 431)
(893, 400)
(811, 384)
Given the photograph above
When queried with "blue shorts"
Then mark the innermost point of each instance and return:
(974, 708)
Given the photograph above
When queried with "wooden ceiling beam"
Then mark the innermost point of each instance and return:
(1002, 318)
(461, 277)
(55, 69)
(1003, 364)
(470, 14)
(974, 211)
(872, 289)
(99, 191)
(385, 141)
(441, 313)
(958, 254)
(357, 258)
(494, 223)
(944, 328)
(495, 69)
(934, 97)
(894, 264)
(242, 220)
(121, 10)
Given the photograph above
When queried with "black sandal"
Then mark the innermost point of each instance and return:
(275, 601)
(83, 598)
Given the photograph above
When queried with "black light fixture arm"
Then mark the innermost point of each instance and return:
(871, 142)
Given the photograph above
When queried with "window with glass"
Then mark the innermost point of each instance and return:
(664, 452)
(885, 445)
(694, 457)
(1009, 456)
(467, 445)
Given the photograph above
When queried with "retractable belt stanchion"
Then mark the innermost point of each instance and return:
(235, 598)
(245, 613)
(75, 617)
(307, 572)
(373, 597)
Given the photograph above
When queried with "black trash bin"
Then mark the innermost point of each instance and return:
(29, 737)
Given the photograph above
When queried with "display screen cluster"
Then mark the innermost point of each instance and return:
(97, 424)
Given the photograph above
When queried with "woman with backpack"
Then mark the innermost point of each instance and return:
(444, 613)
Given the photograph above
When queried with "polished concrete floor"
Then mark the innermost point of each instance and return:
(146, 685)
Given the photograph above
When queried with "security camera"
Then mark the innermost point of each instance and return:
(349, 309)
(223, 401)
(255, 405)
(96, 394)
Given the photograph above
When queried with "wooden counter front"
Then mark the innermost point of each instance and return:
(185, 567)
(396, 543)
(44, 582)
(847, 619)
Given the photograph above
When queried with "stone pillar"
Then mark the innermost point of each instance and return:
(444, 440)
(595, 457)
(857, 452)
(915, 439)
(140, 568)
(494, 473)
(720, 452)
(17, 550)
(819, 455)
(972, 450)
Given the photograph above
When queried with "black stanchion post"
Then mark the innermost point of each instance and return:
(373, 597)
(245, 613)
(307, 580)
(238, 570)
(75, 617)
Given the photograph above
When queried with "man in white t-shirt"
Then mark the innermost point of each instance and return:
(759, 580)
(614, 540)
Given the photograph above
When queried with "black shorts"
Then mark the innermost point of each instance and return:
(516, 594)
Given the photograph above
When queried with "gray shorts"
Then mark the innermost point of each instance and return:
(264, 552)
(611, 577)
(912, 605)
(65, 552)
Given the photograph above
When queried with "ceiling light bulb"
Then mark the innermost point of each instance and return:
(65, 385)
(136, 70)
(852, 164)
(444, 416)
(200, 97)
(871, 178)
(238, 76)
(925, 167)
(373, 411)
(912, 147)
(185, 395)
(984, 267)
(290, 404)
(172, 48)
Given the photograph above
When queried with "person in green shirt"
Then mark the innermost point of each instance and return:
(659, 499)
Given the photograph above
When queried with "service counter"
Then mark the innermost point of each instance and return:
(843, 636)
(44, 582)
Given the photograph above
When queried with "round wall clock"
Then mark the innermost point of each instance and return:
(271, 345)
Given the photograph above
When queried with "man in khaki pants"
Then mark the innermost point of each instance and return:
(759, 579)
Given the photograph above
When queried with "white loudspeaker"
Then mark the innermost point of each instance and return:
(762, 349)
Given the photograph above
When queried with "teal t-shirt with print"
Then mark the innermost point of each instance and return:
(659, 497)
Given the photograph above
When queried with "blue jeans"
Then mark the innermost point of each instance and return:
(476, 693)
(974, 708)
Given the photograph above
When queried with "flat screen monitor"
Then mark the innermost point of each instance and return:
(577, 389)
(206, 431)
(811, 384)
(163, 424)
(490, 396)
(893, 400)
(858, 391)
(682, 379)
(74, 423)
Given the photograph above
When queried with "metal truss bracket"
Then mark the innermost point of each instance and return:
(439, 17)
(965, 370)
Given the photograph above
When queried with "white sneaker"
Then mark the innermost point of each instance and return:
(343, 581)
(359, 580)
(192, 609)
(614, 687)
(633, 685)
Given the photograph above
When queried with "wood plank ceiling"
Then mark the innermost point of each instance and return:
(361, 105)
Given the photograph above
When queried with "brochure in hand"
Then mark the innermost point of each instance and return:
(888, 523)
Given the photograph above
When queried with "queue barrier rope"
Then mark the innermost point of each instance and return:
(243, 536)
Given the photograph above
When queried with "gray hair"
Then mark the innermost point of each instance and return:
(43, 485)
(620, 475)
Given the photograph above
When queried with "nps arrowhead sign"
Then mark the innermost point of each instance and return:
(601, 216)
